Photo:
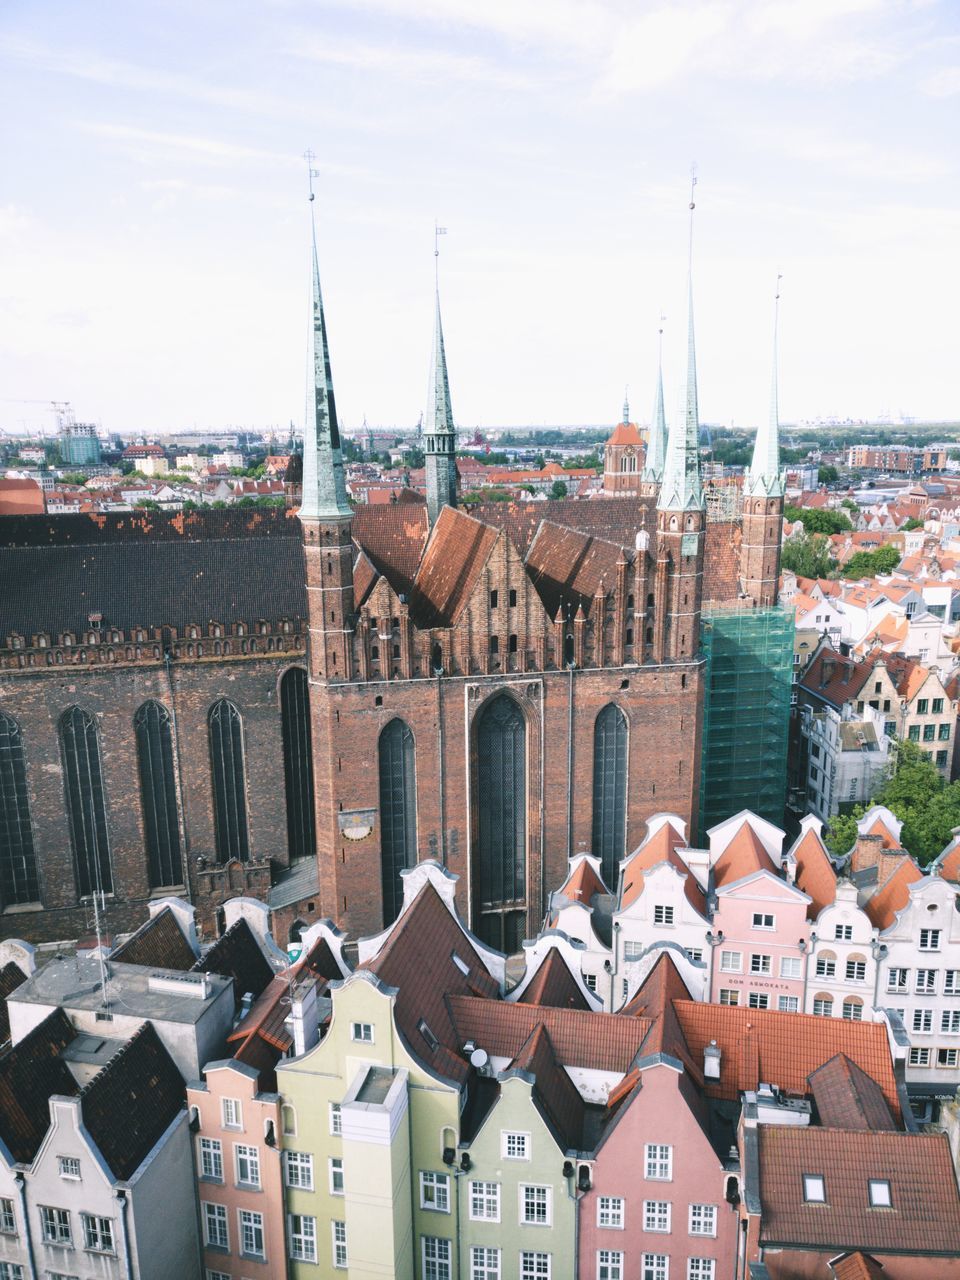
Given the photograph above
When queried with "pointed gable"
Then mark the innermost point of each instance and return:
(567, 566)
(158, 944)
(583, 882)
(559, 1100)
(456, 555)
(847, 1098)
(893, 895)
(815, 872)
(30, 1072)
(553, 984)
(661, 846)
(744, 855)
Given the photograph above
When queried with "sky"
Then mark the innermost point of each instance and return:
(154, 223)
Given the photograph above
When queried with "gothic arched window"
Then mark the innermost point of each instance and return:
(398, 812)
(158, 789)
(609, 790)
(19, 881)
(86, 805)
(229, 784)
(297, 763)
(500, 869)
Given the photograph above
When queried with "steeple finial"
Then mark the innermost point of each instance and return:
(657, 444)
(682, 487)
(626, 405)
(324, 488)
(764, 478)
(439, 430)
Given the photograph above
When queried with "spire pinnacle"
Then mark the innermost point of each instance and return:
(764, 478)
(657, 444)
(439, 430)
(324, 488)
(682, 487)
(626, 405)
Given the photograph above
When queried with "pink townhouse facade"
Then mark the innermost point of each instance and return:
(760, 943)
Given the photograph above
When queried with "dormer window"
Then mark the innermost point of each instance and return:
(814, 1188)
(878, 1190)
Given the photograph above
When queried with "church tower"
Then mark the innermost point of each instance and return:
(681, 516)
(763, 489)
(325, 513)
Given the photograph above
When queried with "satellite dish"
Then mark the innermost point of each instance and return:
(479, 1058)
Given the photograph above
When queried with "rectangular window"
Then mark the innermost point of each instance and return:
(513, 597)
(251, 1234)
(663, 915)
(231, 1113)
(791, 967)
(951, 982)
(929, 732)
(436, 1258)
(897, 979)
(843, 932)
(97, 1233)
(362, 1032)
(656, 1266)
(514, 1146)
(609, 1264)
(435, 1192)
(929, 939)
(913, 733)
(338, 1231)
(494, 597)
(759, 964)
(656, 1215)
(485, 1201)
(211, 1159)
(926, 982)
(823, 1006)
(484, 1263)
(69, 1167)
(695, 954)
(247, 1161)
(336, 1175)
(937, 706)
(658, 1161)
(703, 1219)
(731, 961)
(336, 1118)
(729, 996)
(298, 1169)
(536, 1205)
(763, 920)
(55, 1225)
(879, 1193)
(922, 704)
(534, 1266)
(947, 1057)
(950, 1021)
(303, 1237)
(788, 1004)
(215, 1231)
(14, 1271)
(590, 981)
(941, 759)
(8, 1221)
(758, 1000)
(826, 966)
(814, 1188)
(943, 733)
(701, 1269)
(919, 1058)
(632, 950)
(610, 1212)
(856, 970)
(923, 1020)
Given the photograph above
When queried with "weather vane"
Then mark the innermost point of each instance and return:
(311, 172)
(438, 231)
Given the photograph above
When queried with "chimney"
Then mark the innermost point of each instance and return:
(304, 1019)
(711, 1061)
(827, 671)
(866, 852)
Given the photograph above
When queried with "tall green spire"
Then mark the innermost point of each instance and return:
(324, 488)
(682, 486)
(657, 443)
(439, 430)
(764, 478)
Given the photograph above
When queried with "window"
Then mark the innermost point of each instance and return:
(8, 1221)
(759, 964)
(97, 1233)
(791, 967)
(336, 1118)
(929, 939)
(926, 982)
(856, 970)
(610, 1212)
(536, 1205)
(514, 1146)
(362, 1032)
(919, 1058)
(947, 1057)
(501, 853)
(435, 1192)
(215, 1231)
(951, 982)
(534, 1266)
(814, 1188)
(288, 1121)
(86, 804)
(494, 598)
(950, 1021)
(788, 1004)
(656, 1266)
(701, 1269)
(339, 1233)
(943, 733)
(217, 1275)
(55, 1225)
(632, 950)
(826, 964)
(225, 728)
(823, 1006)
(211, 1159)
(14, 1271)
(758, 1000)
(695, 954)
(878, 1190)
(231, 1113)
(298, 1169)
(929, 732)
(251, 1234)
(494, 644)
(485, 1201)
(731, 961)
(913, 733)
(19, 880)
(247, 1162)
(336, 1176)
(297, 763)
(729, 996)
(853, 1009)
(610, 791)
(398, 812)
(897, 979)
(609, 1264)
(703, 1219)
(658, 1161)
(484, 1263)
(843, 932)
(942, 759)
(158, 794)
(590, 981)
(937, 706)
(762, 920)
(923, 1020)
(436, 1258)
(663, 915)
(303, 1237)
(69, 1167)
(656, 1215)
(922, 704)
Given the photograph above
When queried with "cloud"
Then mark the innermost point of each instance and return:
(944, 83)
(419, 64)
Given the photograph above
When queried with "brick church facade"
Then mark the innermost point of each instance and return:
(296, 705)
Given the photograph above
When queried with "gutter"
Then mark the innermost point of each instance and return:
(125, 1234)
(21, 1182)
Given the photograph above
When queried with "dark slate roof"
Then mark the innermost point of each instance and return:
(30, 1072)
(238, 955)
(129, 1105)
(158, 944)
(847, 1098)
(553, 1088)
(11, 977)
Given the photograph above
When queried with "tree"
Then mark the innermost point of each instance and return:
(558, 489)
(828, 475)
(912, 523)
(808, 556)
(149, 503)
(849, 504)
(867, 564)
(414, 458)
(75, 477)
(818, 520)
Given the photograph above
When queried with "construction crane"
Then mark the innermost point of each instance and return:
(62, 409)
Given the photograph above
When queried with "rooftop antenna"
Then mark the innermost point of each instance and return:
(438, 231)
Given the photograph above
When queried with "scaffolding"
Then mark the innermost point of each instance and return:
(746, 712)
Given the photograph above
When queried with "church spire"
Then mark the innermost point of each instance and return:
(764, 478)
(439, 431)
(682, 487)
(626, 406)
(657, 444)
(324, 488)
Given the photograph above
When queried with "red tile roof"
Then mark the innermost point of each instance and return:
(394, 538)
(567, 566)
(456, 555)
(582, 883)
(662, 846)
(626, 433)
(744, 855)
(834, 678)
(893, 895)
(815, 873)
(858, 1266)
(554, 984)
(847, 1098)
(20, 497)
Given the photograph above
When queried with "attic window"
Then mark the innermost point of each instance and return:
(460, 963)
(814, 1188)
(428, 1035)
(879, 1192)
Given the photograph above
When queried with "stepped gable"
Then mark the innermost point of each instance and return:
(238, 955)
(893, 895)
(553, 984)
(601, 1041)
(847, 1098)
(30, 1072)
(393, 537)
(662, 846)
(815, 872)
(782, 1048)
(420, 959)
(158, 944)
(129, 1105)
(924, 1216)
(456, 555)
(11, 977)
(554, 1091)
(744, 855)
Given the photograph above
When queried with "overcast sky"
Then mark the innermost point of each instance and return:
(154, 224)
